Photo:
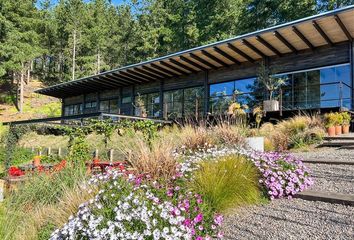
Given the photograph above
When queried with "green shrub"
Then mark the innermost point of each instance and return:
(228, 182)
(20, 156)
(330, 119)
(346, 118)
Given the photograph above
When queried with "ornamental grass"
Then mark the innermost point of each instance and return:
(227, 182)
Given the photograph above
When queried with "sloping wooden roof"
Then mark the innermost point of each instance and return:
(308, 33)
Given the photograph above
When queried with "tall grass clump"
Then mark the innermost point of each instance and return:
(296, 132)
(37, 192)
(228, 182)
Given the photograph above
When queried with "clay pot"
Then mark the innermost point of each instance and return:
(345, 129)
(37, 161)
(338, 129)
(331, 131)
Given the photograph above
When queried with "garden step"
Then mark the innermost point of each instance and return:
(345, 199)
(334, 162)
(350, 137)
(337, 144)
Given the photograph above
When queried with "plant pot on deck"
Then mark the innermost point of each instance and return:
(271, 105)
(338, 129)
(331, 131)
(345, 129)
(36, 161)
(256, 143)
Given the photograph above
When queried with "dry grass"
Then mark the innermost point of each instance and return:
(155, 160)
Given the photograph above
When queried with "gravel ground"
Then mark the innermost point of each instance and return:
(291, 219)
(333, 178)
(331, 154)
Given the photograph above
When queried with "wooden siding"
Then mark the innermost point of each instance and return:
(147, 87)
(192, 80)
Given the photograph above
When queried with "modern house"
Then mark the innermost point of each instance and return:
(313, 55)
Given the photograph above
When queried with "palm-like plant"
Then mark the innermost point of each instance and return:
(271, 83)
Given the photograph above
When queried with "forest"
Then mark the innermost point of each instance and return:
(61, 40)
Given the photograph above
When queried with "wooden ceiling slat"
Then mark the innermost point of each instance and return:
(131, 76)
(140, 75)
(224, 54)
(150, 74)
(128, 79)
(201, 60)
(164, 70)
(182, 66)
(342, 26)
(253, 48)
(118, 78)
(268, 45)
(323, 34)
(109, 81)
(212, 57)
(285, 42)
(193, 63)
(157, 72)
(173, 68)
(238, 51)
(303, 38)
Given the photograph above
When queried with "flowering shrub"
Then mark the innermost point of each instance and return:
(137, 208)
(15, 172)
(283, 175)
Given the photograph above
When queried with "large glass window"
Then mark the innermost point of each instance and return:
(193, 102)
(172, 101)
(109, 106)
(149, 103)
(222, 94)
(74, 109)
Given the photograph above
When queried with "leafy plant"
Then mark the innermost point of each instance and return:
(267, 79)
(346, 118)
(330, 119)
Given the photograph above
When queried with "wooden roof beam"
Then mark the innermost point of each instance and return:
(164, 70)
(112, 81)
(285, 42)
(253, 48)
(303, 38)
(150, 74)
(201, 60)
(323, 34)
(212, 57)
(127, 79)
(118, 78)
(193, 63)
(151, 70)
(269, 46)
(224, 54)
(344, 29)
(131, 76)
(140, 75)
(173, 68)
(238, 51)
(182, 65)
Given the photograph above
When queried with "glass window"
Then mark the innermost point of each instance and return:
(300, 90)
(222, 89)
(173, 103)
(193, 102)
(104, 106)
(343, 75)
(149, 103)
(245, 85)
(114, 106)
(126, 100)
(313, 89)
(328, 75)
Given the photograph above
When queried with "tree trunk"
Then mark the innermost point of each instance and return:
(74, 55)
(21, 90)
(28, 73)
(98, 62)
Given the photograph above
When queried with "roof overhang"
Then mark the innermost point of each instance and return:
(328, 28)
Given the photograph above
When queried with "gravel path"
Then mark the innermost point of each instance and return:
(331, 154)
(333, 178)
(291, 219)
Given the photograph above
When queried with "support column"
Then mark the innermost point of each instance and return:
(133, 101)
(161, 98)
(206, 93)
(351, 59)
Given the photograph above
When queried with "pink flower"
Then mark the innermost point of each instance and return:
(198, 218)
(199, 238)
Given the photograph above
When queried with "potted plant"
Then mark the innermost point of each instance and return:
(36, 160)
(330, 121)
(339, 122)
(272, 84)
(346, 122)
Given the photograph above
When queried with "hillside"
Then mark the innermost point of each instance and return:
(35, 105)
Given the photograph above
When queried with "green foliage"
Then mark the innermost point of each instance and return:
(346, 118)
(148, 128)
(227, 182)
(103, 127)
(330, 119)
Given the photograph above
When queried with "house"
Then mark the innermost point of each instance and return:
(313, 55)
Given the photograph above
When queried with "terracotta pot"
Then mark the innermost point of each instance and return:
(338, 129)
(37, 161)
(331, 131)
(345, 129)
